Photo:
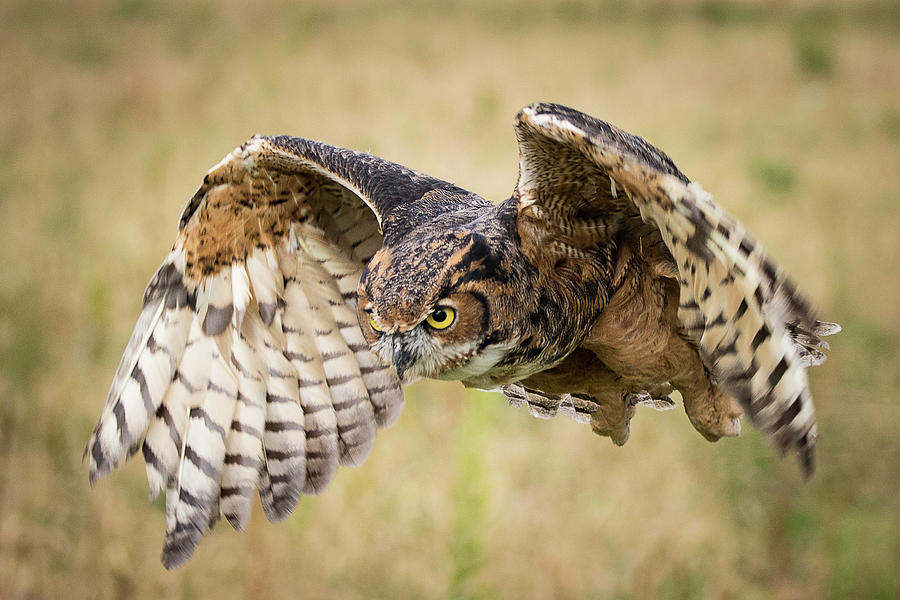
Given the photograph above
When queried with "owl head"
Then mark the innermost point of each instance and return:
(422, 305)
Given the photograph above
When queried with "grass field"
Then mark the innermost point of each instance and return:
(111, 112)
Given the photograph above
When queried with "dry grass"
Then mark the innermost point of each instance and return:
(111, 113)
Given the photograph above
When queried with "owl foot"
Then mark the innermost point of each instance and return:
(613, 418)
(714, 415)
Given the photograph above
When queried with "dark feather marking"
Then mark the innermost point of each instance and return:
(345, 429)
(121, 423)
(696, 242)
(97, 454)
(217, 319)
(154, 347)
(133, 450)
(778, 372)
(326, 356)
(242, 369)
(318, 408)
(276, 426)
(214, 387)
(199, 413)
(340, 380)
(349, 403)
(188, 498)
(759, 295)
(152, 459)
(242, 428)
(383, 388)
(244, 461)
(274, 399)
(279, 374)
(719, 320)
(284, 478)
(163, 413)
(741, 309)
(305, 383)
(761, 336)
(180, 377)
(317, 433)
(201, 463)
(769, 268)
(246, 491)
(787, 417)
(285, 455)
(267, 312)
(290, 355)
(730, 348)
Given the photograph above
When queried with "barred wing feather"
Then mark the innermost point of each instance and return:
(756, 334)
(247, 369)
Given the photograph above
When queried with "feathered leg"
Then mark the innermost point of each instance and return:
(712, 413)
(583, 376)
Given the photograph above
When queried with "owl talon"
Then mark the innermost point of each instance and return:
(714, 415)
(613, 419)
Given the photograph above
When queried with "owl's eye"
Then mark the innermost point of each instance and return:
(373, 324)
(441, 318)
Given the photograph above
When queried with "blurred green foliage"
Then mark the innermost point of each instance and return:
(774, 175)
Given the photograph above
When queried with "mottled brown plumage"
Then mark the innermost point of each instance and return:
(307, 282)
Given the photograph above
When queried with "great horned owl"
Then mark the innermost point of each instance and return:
(308, 282)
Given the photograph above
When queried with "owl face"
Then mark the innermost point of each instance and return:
(417, 308)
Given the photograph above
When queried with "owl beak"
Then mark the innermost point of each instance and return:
(403, 359)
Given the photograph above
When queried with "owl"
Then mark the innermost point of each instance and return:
(308, 283)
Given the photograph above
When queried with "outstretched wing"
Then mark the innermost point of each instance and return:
(247, 368)
(582, 181)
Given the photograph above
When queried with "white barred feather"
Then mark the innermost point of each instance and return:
(353, 409)
(243, 444)
(315, 399)
(254, 376)
(383, 389)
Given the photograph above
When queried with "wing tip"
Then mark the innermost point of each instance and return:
(99, 464)
(177, 549)
(807, 456)
(280, 507)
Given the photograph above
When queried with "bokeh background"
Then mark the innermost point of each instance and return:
(788, 112)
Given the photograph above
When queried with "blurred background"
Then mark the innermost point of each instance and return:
(788, 113)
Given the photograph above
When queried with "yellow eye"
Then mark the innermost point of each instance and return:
(373, 323)
(441, 318)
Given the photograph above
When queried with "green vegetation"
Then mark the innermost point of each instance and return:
(774, 175)
(113, 110)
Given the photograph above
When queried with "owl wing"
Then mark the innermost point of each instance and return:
(582, 181)
(247, 368)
